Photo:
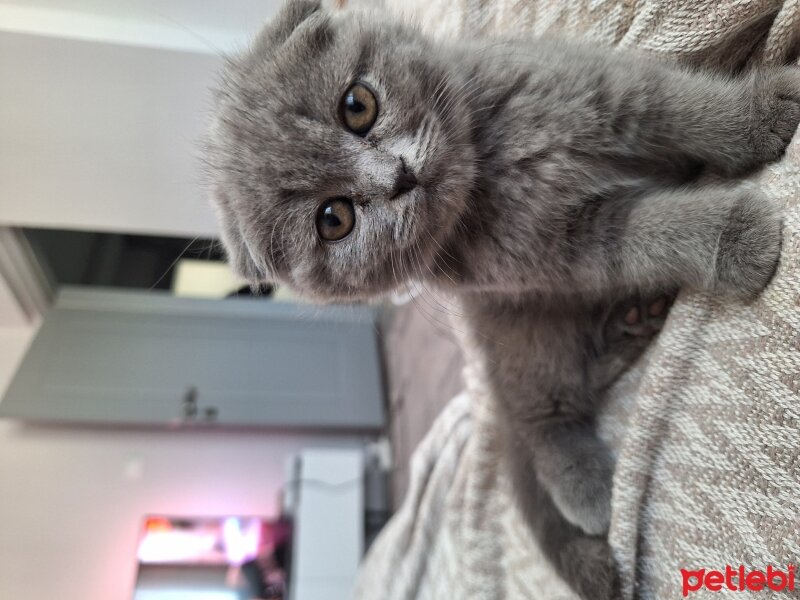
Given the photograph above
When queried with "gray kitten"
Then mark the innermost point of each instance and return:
(542, 183)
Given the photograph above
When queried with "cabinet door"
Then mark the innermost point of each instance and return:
(144, 357)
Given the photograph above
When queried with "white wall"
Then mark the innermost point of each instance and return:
(102, 137)
(207, 26)
(72, 499)
(103, 106)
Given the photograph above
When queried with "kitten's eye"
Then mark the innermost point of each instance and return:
(335, 219)
(359, 109)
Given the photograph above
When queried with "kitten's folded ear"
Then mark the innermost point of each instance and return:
(240, 258)
(293, 13)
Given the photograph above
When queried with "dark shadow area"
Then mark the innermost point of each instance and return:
(114, 259)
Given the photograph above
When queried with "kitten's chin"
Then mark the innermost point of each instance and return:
(375, 287)
(354, 296)
(337, 291)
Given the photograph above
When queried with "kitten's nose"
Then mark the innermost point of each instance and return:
(406, 181)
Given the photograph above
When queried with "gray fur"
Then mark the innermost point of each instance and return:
(555, 181)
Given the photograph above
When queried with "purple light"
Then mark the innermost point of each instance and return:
(241, 541)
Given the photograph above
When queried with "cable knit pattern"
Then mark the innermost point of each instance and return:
(706, 428)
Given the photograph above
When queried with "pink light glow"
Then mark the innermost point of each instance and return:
(242, 539)
(231, 541)
(176, 546)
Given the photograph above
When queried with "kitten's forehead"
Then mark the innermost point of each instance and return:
(327, 51)
(291, 91)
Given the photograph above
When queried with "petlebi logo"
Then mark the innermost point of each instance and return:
(739, 579)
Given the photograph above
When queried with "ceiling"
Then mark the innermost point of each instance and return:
(193, 25)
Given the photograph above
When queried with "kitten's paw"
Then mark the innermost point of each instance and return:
(776, 112)
(749, 247)
(635, 322)
(590, 569)
(583, 495)
(625, 332)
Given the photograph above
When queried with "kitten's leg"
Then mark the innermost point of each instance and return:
(734, 125)
(549, 481)
(535, 363)
(721, 238)
(576, 469)
(584, 561)
(571, 461)
(537, 371)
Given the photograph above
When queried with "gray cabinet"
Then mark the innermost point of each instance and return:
(148, 358)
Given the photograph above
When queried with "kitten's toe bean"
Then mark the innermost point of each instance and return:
(749, 247)
(640, 318)
(657, 308)
(589, 567)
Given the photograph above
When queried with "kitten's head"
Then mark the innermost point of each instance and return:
(340, 153)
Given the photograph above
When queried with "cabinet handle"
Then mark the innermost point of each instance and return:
(190, 404)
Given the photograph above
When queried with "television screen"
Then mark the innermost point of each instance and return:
(217, 558)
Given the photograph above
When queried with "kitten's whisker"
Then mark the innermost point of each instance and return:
(415, 253)
(394, 272)
(460, 94)
(433, 296)
(440, 89)
(200, 38)
(435, 323)
(443, 270)
(450, 96)
(211, 247)
(421, 309)
(174, 262)
(283, 230)
(435, 241)
(446, 327)
(271, 241)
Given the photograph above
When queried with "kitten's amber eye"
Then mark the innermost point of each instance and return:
(359, 109)
(335, 219)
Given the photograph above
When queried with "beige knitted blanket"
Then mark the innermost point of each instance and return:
(707, 428)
